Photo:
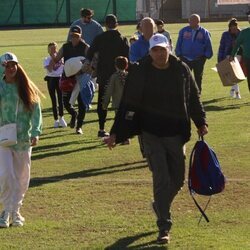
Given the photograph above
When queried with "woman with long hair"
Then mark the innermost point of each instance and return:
(227, 43)
(20, 104)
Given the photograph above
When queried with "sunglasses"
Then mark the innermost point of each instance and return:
(88, 17)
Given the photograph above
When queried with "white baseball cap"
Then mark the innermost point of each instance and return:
(8, 57)
(73, 65)
(158, 40)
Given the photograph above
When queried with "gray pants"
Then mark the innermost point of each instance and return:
(166, 161)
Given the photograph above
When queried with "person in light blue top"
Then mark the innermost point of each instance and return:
(20, 104)
(90, 27)
(194, 47)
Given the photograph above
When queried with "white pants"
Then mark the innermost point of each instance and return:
(236, 88)
(14, 177)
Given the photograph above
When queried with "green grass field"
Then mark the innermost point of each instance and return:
(83, 196)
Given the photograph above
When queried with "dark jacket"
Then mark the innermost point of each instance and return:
(227, 43)
(108, 45)
(127, 120)
(70, 51)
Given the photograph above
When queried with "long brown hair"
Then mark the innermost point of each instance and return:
(26, 89)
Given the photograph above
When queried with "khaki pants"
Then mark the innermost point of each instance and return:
(166, 161)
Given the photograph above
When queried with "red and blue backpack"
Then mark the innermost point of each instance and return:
(205, 175)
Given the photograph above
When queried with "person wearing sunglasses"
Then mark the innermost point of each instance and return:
(90, 27)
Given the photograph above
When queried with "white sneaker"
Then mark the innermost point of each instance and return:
(232, 93)
(237, 96)
(4, 219)
(17, 219)
(56, 124)
(62, 122)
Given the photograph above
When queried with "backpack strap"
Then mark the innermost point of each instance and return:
(202, 211)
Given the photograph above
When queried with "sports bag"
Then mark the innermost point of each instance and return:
(67, 84)
(205, 176)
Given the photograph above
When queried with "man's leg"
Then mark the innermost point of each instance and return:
(198, 68)
(166, 160)
(102, 114)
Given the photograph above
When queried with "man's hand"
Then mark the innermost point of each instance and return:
(110, 141)
(203, 130)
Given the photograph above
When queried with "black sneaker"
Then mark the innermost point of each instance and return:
(102, 133)
(72, 122)
(163, 237)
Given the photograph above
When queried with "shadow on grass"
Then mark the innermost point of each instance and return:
(125, 242)
(210, 105)
(34, 182)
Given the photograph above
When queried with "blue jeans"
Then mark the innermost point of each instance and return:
(166, 161)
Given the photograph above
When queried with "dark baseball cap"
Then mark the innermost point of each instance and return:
(76, 30)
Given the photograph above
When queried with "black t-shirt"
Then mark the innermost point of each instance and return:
(161, 101)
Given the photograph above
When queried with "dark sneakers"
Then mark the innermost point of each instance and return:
(102, 133)
(163, 237)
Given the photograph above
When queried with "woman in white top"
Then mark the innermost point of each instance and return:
(52, 77)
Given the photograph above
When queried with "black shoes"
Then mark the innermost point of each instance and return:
(163, 237)
(102, 133)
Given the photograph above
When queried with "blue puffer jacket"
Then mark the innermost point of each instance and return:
(227, 43)
(193, 49)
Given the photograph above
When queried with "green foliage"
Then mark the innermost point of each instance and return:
(83, 196)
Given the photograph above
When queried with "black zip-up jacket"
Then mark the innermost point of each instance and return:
(127, 120)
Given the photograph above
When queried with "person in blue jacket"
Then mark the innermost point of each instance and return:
(227, 42)
(194, 47)
(140, 48)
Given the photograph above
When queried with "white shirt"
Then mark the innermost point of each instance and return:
(57, 70)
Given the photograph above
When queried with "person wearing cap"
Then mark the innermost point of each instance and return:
(90, 27)
(19, 104)
(160, 99)
(108, 45)
(243, 40)
(140, 48)
(74, 48)
(194, 47)
(161, 30)
(227, 42)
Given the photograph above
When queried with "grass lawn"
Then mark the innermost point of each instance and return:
(83, 196)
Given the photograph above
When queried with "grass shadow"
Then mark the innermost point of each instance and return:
(34, 182)
(126, 241)
(210, 105)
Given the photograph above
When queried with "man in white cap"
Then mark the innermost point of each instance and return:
(160, 99)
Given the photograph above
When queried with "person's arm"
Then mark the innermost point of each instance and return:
(237, 45)
(94, 47)
(57, 58)
(196, 110)
(221, 48)
(36, 123)
(208, 45)
(178, 52)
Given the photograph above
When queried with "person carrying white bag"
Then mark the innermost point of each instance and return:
(19, 105)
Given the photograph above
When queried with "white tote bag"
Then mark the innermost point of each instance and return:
(8, 133)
